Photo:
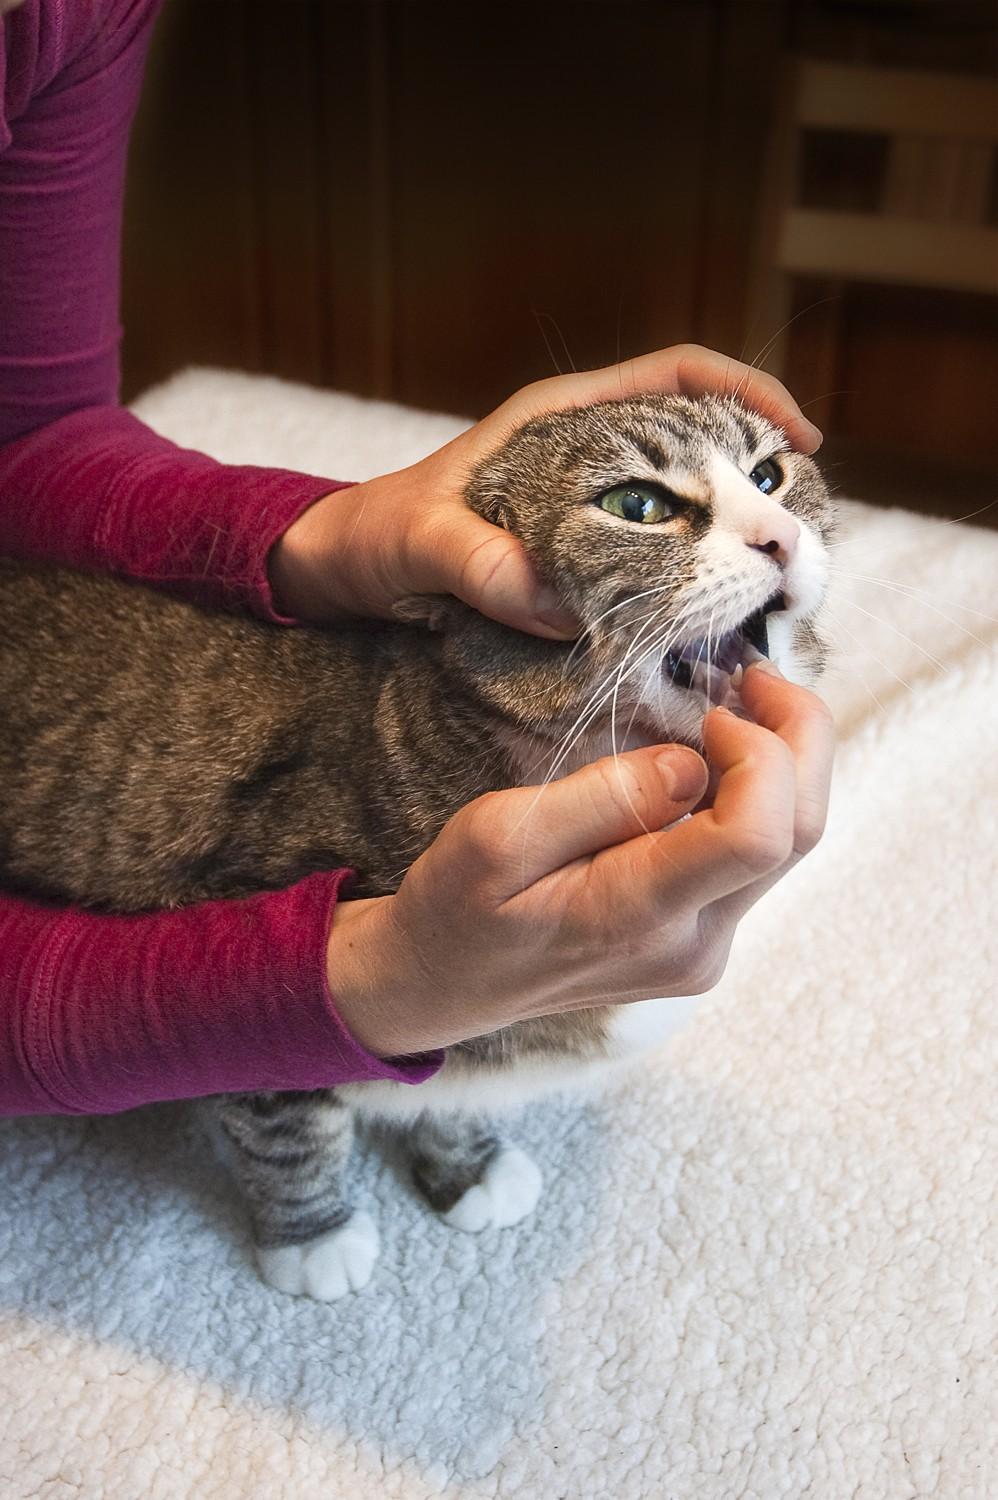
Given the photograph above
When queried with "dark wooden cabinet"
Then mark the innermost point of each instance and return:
(436, 202)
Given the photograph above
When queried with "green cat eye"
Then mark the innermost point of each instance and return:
(767, 476)
(637, 502)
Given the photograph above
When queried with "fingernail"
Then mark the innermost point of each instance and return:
(549, 609)
(767, 665)
(685, 775)
(815, 436)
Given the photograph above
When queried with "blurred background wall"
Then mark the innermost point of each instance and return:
(436, 202)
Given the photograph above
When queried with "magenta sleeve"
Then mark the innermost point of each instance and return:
(81, 481)
(100, 1013)
(70, 76)
(98, 489)
(103, 1013)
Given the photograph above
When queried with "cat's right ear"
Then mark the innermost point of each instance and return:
(431, 610)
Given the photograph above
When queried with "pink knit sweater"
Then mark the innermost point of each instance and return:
(102, 1013)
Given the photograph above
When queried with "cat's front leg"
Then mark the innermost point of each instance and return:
(289, 1152)
(462, 1168)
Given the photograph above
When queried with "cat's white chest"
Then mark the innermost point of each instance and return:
(633, 1031)
(647, 1024)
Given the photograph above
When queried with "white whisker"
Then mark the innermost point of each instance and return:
(932, 524)
(911, 642)
(589, 712)
(710, 624)
(921, 597)
(613, 719)
(855, 665)
(660, 588)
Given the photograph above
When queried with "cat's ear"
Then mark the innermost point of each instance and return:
(431, 610)
(494, 508)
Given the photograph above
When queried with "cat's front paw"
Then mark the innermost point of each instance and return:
(325, 1268)
(507, 1193)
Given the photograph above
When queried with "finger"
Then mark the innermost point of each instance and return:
(689, 370)
(524, 834)
(744, 836)
(464, 555)
(805, 724)
(703, 372)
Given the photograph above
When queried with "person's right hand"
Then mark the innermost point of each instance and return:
(531, 904)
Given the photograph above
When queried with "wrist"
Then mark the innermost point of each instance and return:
(297, 567)
(368, 982)
(341, 555)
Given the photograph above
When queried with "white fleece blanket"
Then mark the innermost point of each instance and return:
(763, 1266)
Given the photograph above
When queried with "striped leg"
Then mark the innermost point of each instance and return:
(290, 1153)
(468, 1176)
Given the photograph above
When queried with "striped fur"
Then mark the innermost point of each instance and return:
(155, 754)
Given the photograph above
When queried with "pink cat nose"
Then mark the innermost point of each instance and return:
(775, 533)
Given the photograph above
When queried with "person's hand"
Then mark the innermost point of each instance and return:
(359, 551)
(530, 904)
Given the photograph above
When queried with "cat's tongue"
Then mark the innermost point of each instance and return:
(706, 664)
(724, 652)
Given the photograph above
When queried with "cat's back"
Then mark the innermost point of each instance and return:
(51, 616)
(67, 635)
(135, 724)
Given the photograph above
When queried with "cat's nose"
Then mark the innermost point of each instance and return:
(775, 533)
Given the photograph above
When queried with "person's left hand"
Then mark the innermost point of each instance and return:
(359, 551)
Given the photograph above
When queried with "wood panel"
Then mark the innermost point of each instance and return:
(749, 41)
(942, 406)
(903, 383)
(390, 196)
(907, 101)
(554, 166)
(191, 289)
(874, 247)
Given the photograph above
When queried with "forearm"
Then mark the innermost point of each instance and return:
(98, 489)
(81, 481)
(104, 1013)
(70, 77)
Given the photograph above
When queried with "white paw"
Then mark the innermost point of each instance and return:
(506, 1194)
(328, 1267)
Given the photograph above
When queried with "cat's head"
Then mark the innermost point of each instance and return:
(685, 534)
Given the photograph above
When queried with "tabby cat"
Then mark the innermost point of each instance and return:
(156, 754)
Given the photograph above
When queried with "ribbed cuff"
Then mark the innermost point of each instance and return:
(100, 490)
(105, 1013)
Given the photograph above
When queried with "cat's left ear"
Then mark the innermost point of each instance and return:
(494, 508)
(431, 610)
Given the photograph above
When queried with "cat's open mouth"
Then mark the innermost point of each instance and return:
(704, 665)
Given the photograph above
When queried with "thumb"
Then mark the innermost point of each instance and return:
(529, 832)
(488, 569)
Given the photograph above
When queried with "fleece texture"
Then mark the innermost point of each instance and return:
(763, 1266)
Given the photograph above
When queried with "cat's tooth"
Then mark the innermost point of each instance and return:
(737, 675)
(711, 681)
